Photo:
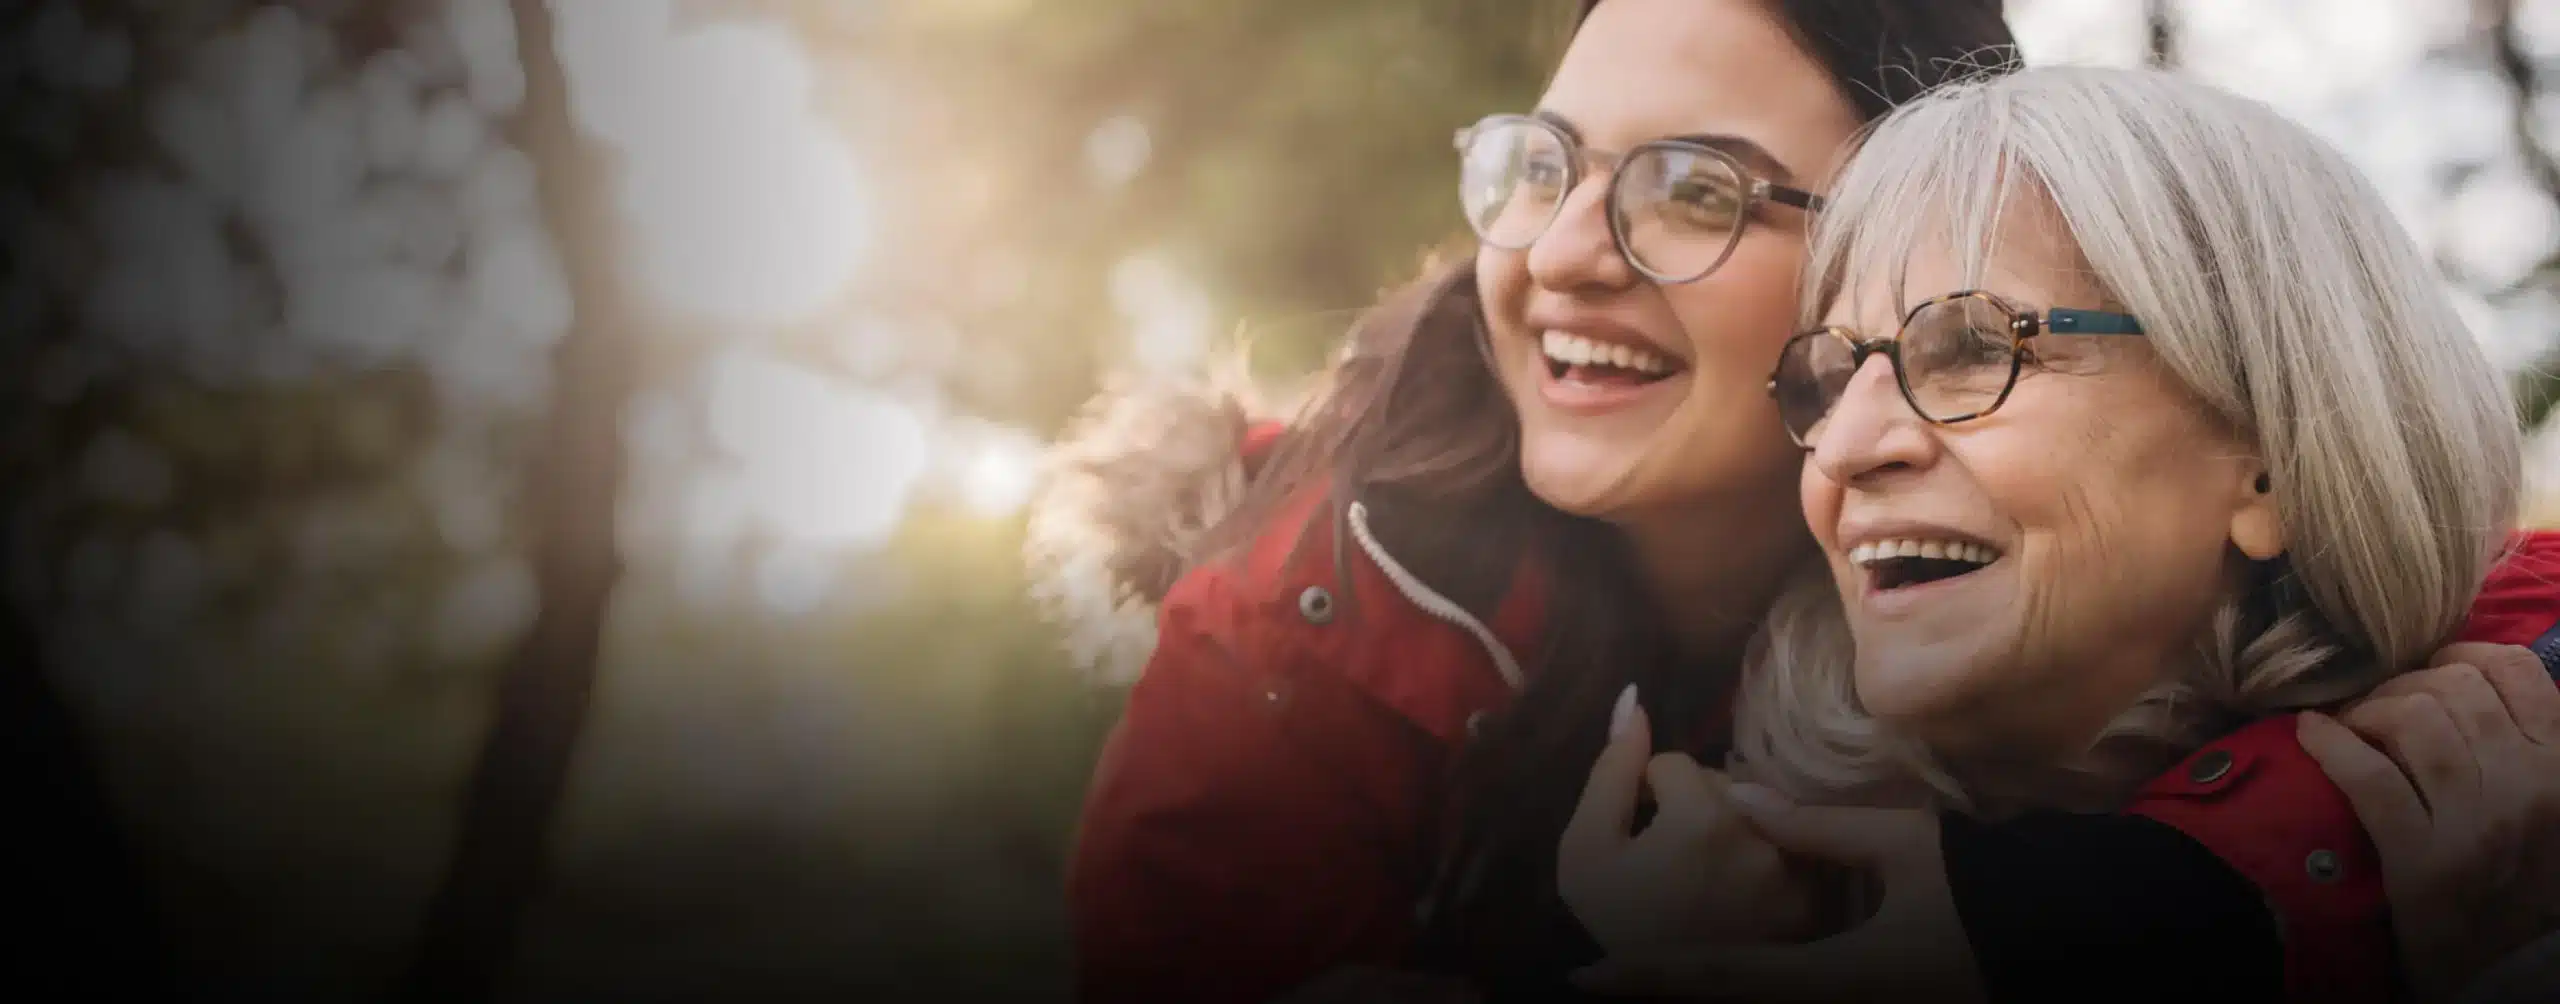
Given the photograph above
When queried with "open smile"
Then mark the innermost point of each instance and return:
(1902, 564)
(1593, 375)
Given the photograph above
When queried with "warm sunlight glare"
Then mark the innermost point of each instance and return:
(819, 462)
(746, 206)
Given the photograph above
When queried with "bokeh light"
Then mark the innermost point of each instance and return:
(746, 206)
(820, 462)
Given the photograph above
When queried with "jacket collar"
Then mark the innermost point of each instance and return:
(1392, 635)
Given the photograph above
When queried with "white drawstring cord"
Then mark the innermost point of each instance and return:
(1431, 602)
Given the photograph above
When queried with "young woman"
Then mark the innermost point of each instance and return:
(1385, 661)
(2090, 504)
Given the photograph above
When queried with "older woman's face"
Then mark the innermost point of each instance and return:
(2106, 497)
(1684, 418)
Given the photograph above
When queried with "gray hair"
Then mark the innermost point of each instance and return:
(2274, 285)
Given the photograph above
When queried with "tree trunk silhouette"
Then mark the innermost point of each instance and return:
(2163, 32)
(2538, 389)
(501, 841)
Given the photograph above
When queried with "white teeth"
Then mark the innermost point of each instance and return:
(1945, 550)
(1575, 350)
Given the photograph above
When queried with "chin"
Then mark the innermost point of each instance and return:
(1573, 476)
(1909, 689)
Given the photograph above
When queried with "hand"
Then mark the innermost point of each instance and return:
(2465, 808)
(1697, 874)
(1912, 950)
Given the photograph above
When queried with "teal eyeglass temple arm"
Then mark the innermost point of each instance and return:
(2066, 321)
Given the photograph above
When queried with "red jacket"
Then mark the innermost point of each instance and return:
(2259, 801)
(1265, 810)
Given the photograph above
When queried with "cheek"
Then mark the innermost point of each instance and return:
(1502, 291)
(1820, 498)
(1739, 317)
(1502, 286)
(2142, 497)
(2122, 541)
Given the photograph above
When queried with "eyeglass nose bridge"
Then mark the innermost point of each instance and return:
(1861, 349)
(1584, 164)
(1864, 347)
(1589, 167)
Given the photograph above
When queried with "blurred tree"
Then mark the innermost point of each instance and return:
(2538, 388)
(265, 259)
(2160, 22)
(502, 840)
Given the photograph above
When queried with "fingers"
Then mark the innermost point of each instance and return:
(1608, 808)
(2382, 796)
(2523, 682)
(2469, 653)
(2485, 655)
(1841, 835)
(2528, 692)
(1686, 794)
(2477, 710)
(2420, 736)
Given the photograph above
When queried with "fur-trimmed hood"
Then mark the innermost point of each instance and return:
(1128, 489)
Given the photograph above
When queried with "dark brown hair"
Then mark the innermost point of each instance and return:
(1414, 424)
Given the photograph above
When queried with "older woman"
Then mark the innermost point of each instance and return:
(2134, 425)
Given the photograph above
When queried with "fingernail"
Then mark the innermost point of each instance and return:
(1624, 714)
(1758, 799)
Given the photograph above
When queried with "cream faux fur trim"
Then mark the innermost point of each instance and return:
(1129, 488)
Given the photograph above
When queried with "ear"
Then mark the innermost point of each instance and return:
(2257, 523)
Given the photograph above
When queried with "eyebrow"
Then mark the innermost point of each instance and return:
(1735, 146)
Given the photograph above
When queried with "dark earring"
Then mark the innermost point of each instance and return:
(2265, 484)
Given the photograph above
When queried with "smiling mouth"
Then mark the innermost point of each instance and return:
(1904, 563)
(1575, 359)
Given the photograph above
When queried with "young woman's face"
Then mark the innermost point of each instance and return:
(1639, 397)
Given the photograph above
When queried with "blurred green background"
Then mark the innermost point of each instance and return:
(290, 283)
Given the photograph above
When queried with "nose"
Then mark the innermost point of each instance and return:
(1577, 252)
(1872, 429)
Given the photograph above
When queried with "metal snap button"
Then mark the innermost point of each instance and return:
(1316, 605)
(2213, 766)
(2323, 866)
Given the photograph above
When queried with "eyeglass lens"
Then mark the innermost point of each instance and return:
(1954, 359)
(1676, 209)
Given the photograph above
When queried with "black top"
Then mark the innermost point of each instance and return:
(2071, 907)
(2061, 907)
